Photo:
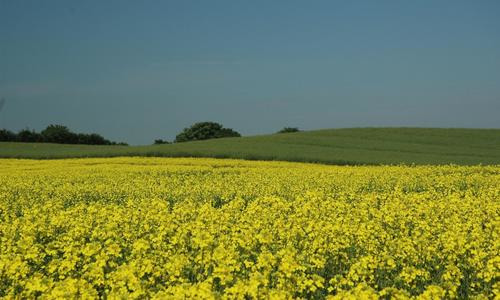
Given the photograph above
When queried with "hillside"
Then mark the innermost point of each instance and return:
(332, 146)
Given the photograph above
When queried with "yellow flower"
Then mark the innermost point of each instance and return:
(184, 228)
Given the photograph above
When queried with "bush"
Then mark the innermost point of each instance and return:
(7, 136)
(55, 134)
(97, 139)
(28, 136)
(92, 139)
(205, 131)
(288, 130)
(59, 134)
(161, 142)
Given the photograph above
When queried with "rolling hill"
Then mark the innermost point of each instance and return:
(351, 146)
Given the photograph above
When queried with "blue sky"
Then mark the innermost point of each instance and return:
(138, 70)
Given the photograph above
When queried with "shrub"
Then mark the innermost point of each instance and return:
(7, 136)
(55, 134)
(288, 130)
(59, 134)
(52, 134)
(28, 136)
(205, 131)
(92, 139)
(160, 142)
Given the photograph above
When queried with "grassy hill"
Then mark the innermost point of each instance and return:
(331, 146)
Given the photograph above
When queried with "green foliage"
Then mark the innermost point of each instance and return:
(161, 142)
(204, 131)
(92, 139)
(7, 136)
(57, 134)
(288, 130)
(29, 136)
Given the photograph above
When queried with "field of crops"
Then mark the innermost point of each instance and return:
(207, 228)
(347, 146)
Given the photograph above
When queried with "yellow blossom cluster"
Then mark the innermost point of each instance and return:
(184, 228)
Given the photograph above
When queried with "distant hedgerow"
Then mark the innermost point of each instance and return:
(288, 130)
(161, 142)
(58, 134)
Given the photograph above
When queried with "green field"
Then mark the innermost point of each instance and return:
(331, 146)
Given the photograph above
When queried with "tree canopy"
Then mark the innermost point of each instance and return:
(205, 131)
(58, 134)
(288, 130)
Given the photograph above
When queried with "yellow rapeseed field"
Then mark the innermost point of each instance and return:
(172, 228)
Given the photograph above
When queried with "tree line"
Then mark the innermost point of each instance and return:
(210, 130)
(58, 134)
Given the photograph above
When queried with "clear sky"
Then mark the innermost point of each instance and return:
(134, 71)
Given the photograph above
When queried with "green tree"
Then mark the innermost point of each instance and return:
(288, 130)
(92, 139)
(205, 131)
(59, 134)
(28, 136)
(160, 142)
(7, 136)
